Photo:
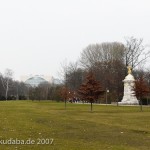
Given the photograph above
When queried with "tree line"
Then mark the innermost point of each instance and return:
(16, 90)
(107, 61)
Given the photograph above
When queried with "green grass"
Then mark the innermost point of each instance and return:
(107, 128)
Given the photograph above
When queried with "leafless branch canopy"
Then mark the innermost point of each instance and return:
(135, 52)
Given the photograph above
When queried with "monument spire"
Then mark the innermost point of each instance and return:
(129, 70)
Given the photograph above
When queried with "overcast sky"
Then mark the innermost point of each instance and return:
(37, 35)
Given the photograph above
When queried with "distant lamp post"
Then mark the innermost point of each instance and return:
(107, 91)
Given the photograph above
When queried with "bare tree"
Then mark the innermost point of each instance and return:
(6, 81)
(75, 76)
(135, 52)
(102, 53)
(106, 60)
(64, 74)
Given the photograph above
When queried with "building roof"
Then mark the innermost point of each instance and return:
(35, 81)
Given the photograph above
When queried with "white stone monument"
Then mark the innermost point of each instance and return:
(129, 97)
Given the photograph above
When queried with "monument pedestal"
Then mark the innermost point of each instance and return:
(129, 97)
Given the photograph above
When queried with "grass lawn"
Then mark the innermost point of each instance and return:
(107, 128)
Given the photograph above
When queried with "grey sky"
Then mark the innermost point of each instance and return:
(37, 35)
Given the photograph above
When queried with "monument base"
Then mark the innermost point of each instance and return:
(128, 103)
(133, 101)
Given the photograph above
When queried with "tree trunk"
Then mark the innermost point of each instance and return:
(91, 107)
(65, 103)
(141, 105)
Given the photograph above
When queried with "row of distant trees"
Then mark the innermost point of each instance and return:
(16, 90)
(108, 63)
(11, 89)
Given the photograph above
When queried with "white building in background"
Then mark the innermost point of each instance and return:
(35, 80)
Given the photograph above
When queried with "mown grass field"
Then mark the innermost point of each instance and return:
(76, 128)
